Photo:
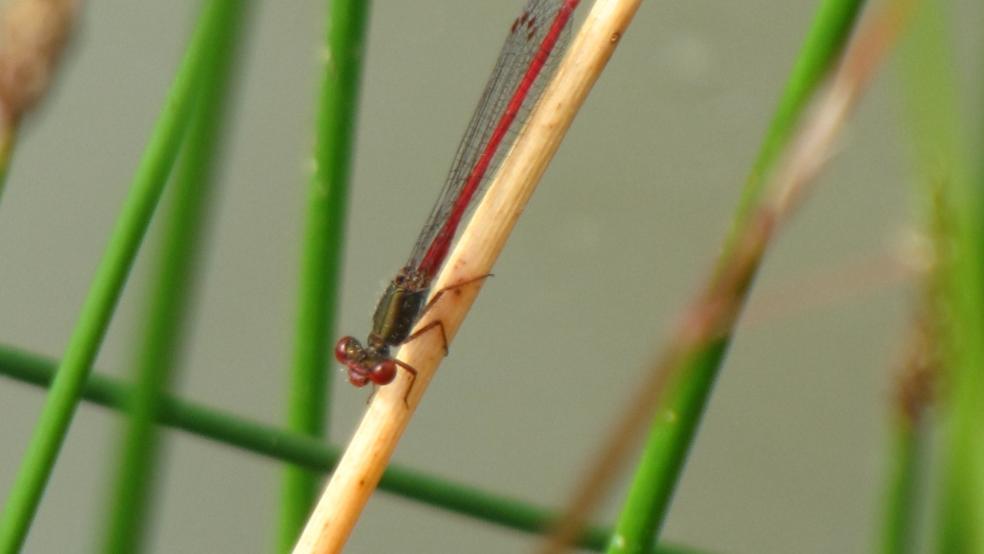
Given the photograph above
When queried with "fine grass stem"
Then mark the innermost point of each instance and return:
(111, 274)
(954, 194)
(898, 531)
(694, 356)
(310, 387)
(908, 427)
(307, 452)
(169, 300)
(823, 45)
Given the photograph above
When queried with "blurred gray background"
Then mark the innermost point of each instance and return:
(620, 235)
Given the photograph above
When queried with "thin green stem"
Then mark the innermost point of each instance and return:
(676, 423)
(824, 43)
(149, 180)
(307, 452)
(898, 531)
(322, 253)
(955, 194)
(963, 489)
(130, 501)
(915, 385)
(665, 450)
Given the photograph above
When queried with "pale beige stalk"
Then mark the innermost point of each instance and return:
(370, 449)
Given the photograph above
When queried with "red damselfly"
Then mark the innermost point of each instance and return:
(535, 42)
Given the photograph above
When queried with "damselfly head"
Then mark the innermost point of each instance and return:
(364, 365)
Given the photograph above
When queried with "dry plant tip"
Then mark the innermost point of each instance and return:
(33, 34)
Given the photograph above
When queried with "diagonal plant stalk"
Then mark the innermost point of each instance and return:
(924, 77)
(916, 385)
(954, 195)
(963, 479)
(898, 527)
(716, 311)
(149, 180)
(389, 413)
(322, 253)
(823, 45)
(308, 452)
(170, 295)
(908, 426)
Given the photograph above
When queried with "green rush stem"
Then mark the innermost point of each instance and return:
(682, 407)
(824, 44)
(307, 452)
(953, 189)
(322, 252)
(898, 531)
(963, 479)
(107, 285)
(665, 450)
(131, 498)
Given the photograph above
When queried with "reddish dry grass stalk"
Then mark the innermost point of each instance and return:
(715, 311)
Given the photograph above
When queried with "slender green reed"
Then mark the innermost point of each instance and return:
(149, 180)
(954, 187)
(927, 82)
(308, 452)
(898, 531)
(963, 480)
(169, 299)
(673, 430)
(322, 253)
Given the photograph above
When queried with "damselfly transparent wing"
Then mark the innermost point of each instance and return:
(486, 139)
